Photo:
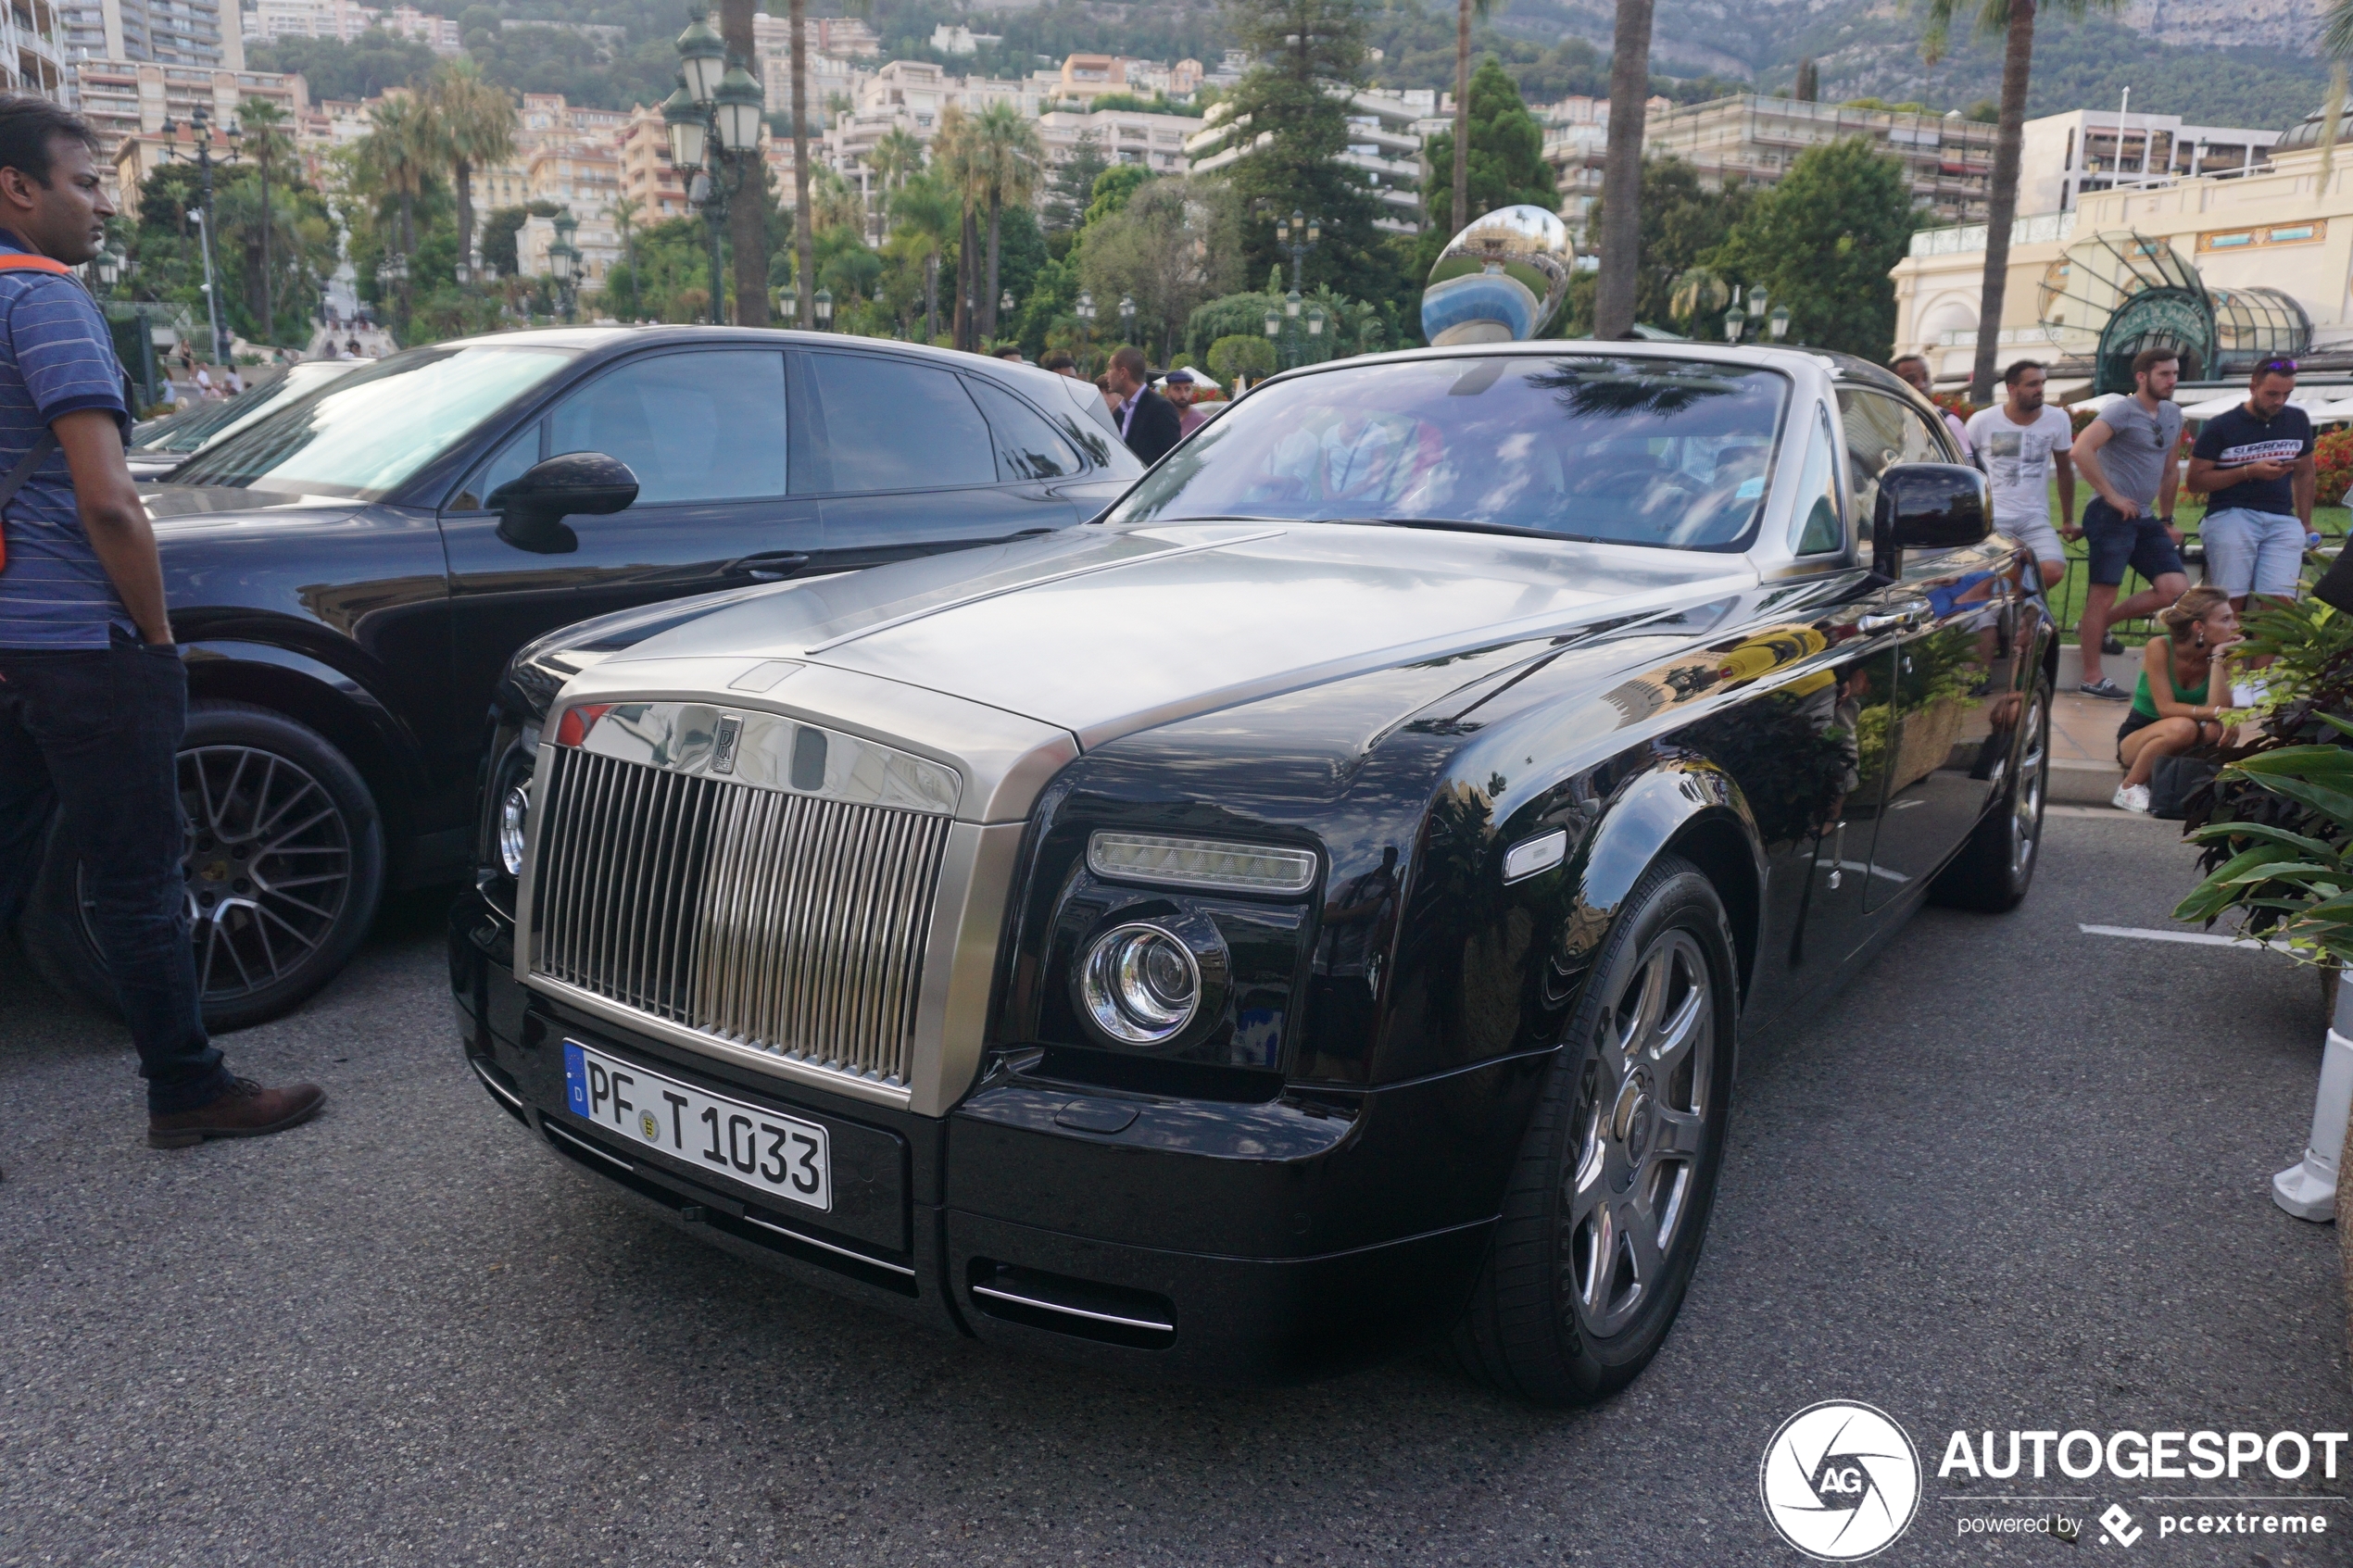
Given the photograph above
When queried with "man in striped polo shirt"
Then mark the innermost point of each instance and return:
(92, 695)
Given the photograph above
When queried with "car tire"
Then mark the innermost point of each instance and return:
(1609, 1200)
(265, 795)
(1996, 866)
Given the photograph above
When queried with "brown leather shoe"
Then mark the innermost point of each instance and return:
(244, 1110)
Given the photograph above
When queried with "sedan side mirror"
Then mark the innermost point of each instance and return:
(532, 506)
(1928, 507)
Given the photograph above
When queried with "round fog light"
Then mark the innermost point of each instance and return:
(1140, 984)
(512, 812)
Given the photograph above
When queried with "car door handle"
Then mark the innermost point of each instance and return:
(1919, 612)
(770, 566)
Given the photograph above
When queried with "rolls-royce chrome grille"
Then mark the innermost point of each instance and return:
(790, 923)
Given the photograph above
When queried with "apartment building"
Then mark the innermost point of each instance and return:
(32, 49)
(2066, 156)
(961, 40)
(647, 177)
(126, 101)
(1948, 161)
(343, 20)
(546, 120)
(180, 33)
(842, 37)
(830, 80)
(1384, 145)
(1155, 141)
(1576, 140)
(438, 33)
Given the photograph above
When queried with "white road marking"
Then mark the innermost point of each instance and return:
(2200, 939)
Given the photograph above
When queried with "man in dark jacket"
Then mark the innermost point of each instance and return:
(1147, 420)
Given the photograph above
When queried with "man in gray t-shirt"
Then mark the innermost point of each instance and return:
(2128, 455)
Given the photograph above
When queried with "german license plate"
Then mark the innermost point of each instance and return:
(775, 1155)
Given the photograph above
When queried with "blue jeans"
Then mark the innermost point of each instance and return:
(98, 733)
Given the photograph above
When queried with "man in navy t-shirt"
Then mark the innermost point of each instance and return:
(2254, 466)
(94, 696)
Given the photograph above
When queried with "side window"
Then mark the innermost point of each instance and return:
(701, 426)
(1818, 526)
(1028, 447)
(514, 459)
(1876, 436)
(891, 424)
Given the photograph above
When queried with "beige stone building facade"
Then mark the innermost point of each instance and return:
(2278, 237)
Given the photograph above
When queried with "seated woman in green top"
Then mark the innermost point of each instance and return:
(2180, 669)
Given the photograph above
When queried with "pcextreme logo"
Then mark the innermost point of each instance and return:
(1841, 1480)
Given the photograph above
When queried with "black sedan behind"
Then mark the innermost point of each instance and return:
(350, 574)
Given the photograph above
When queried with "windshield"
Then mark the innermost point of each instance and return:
(213, 418)
(1582, 446)
(364, 433)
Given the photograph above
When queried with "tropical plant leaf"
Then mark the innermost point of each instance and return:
(2223, 833)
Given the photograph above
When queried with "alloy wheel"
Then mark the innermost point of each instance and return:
(267, 871)
(1642, 1130)
(2033, 776)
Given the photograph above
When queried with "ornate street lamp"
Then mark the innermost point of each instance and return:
(713, 121)
(790, 300)
(1315, 319)
(200, 127)
(702, 60)
(1777, 322)
(109, 268)
(1274, 321)
(563, 261)
(1297, 234)
(737, 109)
(825, 310)
(689, 130)
(1734, 320)
(1005, 302)
(1757, 304)
(1127, 318)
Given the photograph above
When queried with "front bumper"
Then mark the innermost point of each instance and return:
(1202, 1240)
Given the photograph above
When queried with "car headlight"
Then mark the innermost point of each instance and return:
(514, 821)
(1140, 984)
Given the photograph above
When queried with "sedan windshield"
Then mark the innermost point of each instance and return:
(364, 435)
(1632, 451)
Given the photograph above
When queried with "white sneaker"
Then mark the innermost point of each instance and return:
(2131, 797)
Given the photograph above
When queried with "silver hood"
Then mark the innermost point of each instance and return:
(1102, 631)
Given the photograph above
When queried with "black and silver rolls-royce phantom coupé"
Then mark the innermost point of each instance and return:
(1315, 907)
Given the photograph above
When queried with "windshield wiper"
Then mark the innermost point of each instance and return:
(1459, 525)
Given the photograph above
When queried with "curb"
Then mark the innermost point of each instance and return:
(2077, 783)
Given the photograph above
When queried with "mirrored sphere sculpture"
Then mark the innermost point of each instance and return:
(1500, 280)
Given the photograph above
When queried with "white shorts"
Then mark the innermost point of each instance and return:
(2039, 537)
(2250, 552)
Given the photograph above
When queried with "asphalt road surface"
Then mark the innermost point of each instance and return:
(2015, 1177)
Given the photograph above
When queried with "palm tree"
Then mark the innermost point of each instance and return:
(1629, 85)
(956, 158)
(623, 214)
(1461, 107)
(804, 244)
(2013, 22)
(265, 137)
(1011, 155)
(896, 155)
(477, 122)
(402, 147)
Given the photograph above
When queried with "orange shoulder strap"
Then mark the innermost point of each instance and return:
(15, 263)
